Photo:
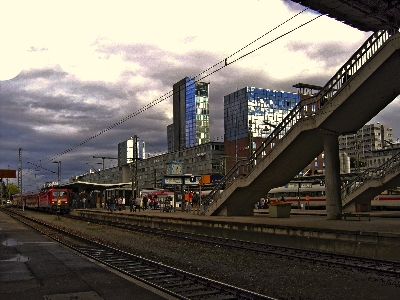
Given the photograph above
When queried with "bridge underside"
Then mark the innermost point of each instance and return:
(366, 15)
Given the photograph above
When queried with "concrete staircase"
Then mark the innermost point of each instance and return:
(360, 89)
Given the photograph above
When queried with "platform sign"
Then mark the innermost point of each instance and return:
(172, 180)
(192, 180)
(8, 174)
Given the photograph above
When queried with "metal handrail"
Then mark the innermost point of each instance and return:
(369, 174)
(304, 109)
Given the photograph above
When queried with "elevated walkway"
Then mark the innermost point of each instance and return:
(361, 88)
(370, 183)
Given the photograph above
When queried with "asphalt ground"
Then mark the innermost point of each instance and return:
(33, 266)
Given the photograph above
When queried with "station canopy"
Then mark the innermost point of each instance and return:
(93, 185)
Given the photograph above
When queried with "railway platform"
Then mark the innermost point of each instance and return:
(35, 267)
(375, 236)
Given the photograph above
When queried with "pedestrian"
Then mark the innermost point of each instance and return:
(111, 203)
(137, 203)
(119, 203)
(114, 203)
(195, 201)
(131, 204)
(155, 205)
(189, 203)
(145, 199)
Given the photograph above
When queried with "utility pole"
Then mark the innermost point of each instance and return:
(58, 170)
(135, 188)
(20, 176)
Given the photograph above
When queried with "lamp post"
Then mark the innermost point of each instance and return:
(58, 170)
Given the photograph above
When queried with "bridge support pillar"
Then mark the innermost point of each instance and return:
(332, 176)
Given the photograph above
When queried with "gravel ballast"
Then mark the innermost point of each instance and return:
(277, 277)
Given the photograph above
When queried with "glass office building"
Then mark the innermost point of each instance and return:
(191, 124)
(126, 154)
(255, 110)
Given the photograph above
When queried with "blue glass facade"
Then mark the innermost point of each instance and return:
(255, 110)
(190, 104)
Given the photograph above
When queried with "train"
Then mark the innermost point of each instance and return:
(313, 196)
(52, 200)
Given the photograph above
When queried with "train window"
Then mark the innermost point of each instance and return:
(59, 194)
(394, 192)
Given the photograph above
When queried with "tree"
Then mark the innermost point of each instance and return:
(12, 189)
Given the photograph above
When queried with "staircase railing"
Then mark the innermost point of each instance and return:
(369, 174)
(304, 109)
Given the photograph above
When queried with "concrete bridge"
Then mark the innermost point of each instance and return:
(371, 183)
(360, 89)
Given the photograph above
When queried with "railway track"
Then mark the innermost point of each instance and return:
(177, 283)
(383, 267)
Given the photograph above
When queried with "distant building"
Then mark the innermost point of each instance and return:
(361, 145)
(379, 157)
(191, 121)
(197, 160)
(125, 151)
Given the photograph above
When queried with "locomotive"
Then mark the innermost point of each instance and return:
(48, 199)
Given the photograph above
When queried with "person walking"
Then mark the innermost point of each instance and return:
(119, 203)
(195, 201)
(137, 203)
(145, 199)
(131, 204)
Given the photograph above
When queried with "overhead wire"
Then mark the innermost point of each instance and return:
(170, 93)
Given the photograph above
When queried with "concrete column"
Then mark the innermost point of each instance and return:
(332, 176)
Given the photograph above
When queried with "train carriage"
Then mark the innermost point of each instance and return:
(388, 200)
(47, 199)
(313, 196)
(31, 200)
(310, 195)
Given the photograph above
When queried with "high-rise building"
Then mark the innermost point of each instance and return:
(125, 151)
(191, 124)
(369, 138)
(250, 115)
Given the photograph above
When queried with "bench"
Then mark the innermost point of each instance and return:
(356, 215)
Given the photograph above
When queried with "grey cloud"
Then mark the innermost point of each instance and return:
(330, 54)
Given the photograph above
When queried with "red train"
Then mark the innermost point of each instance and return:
(48, 199)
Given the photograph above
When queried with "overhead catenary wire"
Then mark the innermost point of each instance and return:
(170, 93)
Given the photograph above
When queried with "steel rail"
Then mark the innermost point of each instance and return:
(348, 261)
(178, 283)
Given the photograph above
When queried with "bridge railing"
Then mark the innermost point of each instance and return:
(304, 109)
(369, 174)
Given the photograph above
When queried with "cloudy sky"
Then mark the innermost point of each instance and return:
(71, 72)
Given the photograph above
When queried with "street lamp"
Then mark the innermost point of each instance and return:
(58, 170)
